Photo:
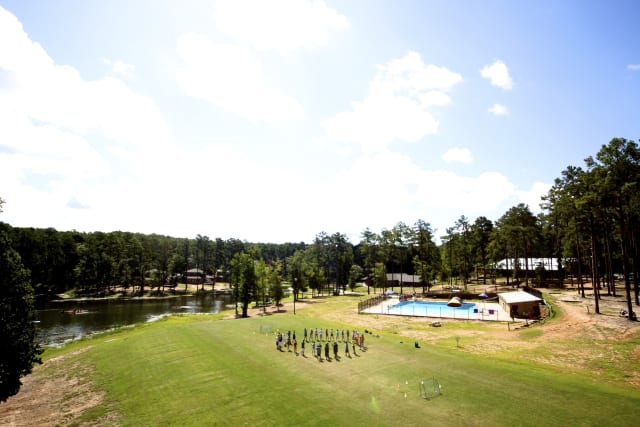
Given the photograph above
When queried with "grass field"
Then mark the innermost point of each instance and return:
(201, 370)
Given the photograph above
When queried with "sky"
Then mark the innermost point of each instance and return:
(273, 121)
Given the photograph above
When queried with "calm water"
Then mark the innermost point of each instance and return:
(57, 325)
(434, 309)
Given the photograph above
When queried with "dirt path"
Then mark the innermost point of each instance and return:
(579, 318)
(56, 393)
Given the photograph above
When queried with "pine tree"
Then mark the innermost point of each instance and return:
(17, 330)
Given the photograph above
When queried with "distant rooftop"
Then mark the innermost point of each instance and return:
(517, 296)
(549, 264)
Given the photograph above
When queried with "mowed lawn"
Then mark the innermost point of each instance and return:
(200, 370)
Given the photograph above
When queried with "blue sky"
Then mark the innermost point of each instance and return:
(274, 121)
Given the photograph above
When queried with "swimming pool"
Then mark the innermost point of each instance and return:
(467, 310)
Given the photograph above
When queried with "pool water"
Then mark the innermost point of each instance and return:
(434, 309)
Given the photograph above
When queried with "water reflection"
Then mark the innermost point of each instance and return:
(61, 322)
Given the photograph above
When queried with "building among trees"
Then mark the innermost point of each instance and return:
(520, 304)
(404, 279)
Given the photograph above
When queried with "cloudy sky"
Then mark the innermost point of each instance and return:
(274, 121)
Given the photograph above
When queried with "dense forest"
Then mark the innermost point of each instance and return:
(589, 224)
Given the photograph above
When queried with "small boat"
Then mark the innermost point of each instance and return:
(76, 311)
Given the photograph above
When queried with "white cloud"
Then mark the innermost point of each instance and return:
(498, 110)
(110, 160)
(498, 73)
(434, 98)
(73, 203)
(85, 139)
(380, 189)
(395, 108)
(279, 25)
(533, 196)
(460, 155)
(57, 95)
(121, 68)
(633, 67)
(45, 149)
(231, 78)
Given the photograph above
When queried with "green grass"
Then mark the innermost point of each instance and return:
(200, 370)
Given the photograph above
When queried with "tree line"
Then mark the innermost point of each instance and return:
(588, 224)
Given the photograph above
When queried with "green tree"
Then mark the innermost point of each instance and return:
(370, 248)
(355, 274)
(464, 249)
(521, 230)
(203, 252)
(298, 272)
(17, 313)
(379, 276)
(617, 171)
(262, 283)
(334, 254)
(244, 279)
(274, 274)
(480, 236)
(389, 250)
(163, 253)
(457, 250)
(426, 261)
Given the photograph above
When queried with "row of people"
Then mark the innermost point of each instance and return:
(289, 340)
(318, 334)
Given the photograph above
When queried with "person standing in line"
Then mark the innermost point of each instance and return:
(346, 349)
(302, 348)
(353, 344)
(326, 351)
(319, 351)
(304, 338)
(313, 349)
(335, 350)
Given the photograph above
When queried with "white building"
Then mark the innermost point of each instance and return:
(520, 304)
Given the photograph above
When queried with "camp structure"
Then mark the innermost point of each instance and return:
(455, 302)
(520, 304)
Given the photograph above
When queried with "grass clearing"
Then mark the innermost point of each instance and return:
(195, 370)
(201, 370)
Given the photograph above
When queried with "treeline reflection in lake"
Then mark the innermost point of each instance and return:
(62, 321)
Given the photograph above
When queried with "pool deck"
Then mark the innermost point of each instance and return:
(499, 315)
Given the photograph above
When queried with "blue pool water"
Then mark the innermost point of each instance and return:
(434, 309)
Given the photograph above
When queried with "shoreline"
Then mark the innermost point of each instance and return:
(120, 297)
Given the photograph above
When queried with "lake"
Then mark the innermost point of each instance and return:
(61, 322)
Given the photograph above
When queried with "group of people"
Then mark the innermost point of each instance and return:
(320, 340)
